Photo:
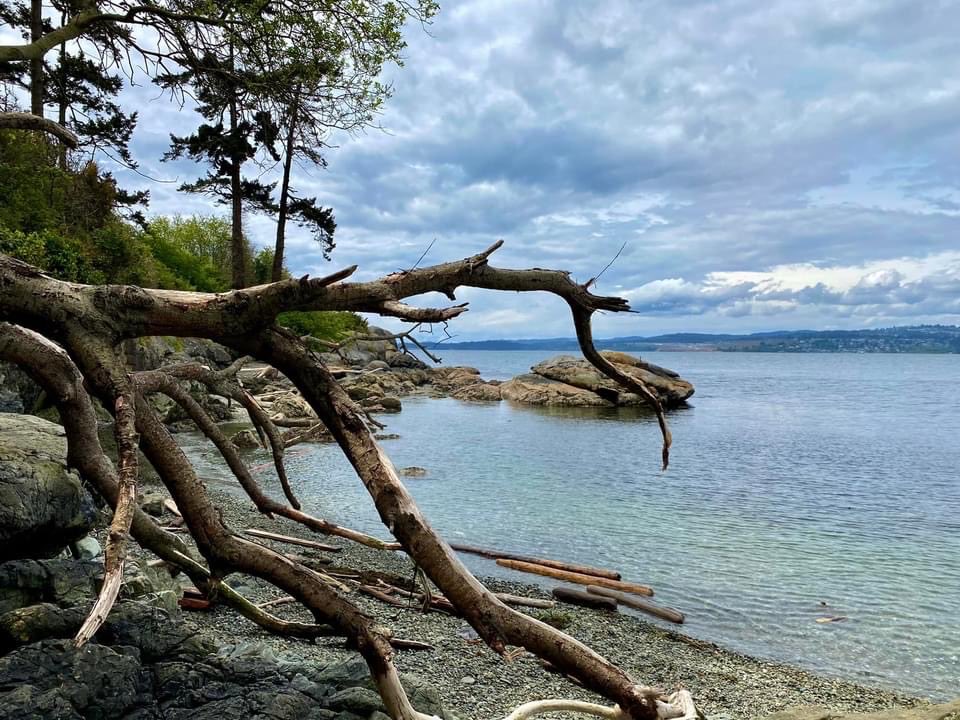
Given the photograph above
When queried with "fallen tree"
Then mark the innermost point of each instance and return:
(67, 336)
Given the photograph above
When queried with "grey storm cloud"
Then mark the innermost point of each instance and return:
(775, 138)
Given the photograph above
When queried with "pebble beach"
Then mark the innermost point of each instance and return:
(476, 683)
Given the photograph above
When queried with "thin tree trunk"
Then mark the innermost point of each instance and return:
(36, 65)
(238, 249)
(277, 273)
(62, 104)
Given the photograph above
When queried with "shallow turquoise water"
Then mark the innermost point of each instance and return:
(795, 480)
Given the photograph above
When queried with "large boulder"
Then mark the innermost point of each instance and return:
(43, 506)
(530, 389)
(577, 372)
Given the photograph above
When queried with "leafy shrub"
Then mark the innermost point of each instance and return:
(323, 325)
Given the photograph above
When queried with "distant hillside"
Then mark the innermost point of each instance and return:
(908, 339)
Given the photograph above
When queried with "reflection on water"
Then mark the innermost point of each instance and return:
(795, 480)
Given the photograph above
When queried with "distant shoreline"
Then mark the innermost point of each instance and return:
(915, 339)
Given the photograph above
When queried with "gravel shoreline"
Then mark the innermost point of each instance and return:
(475, 683)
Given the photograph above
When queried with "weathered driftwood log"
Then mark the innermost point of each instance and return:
(556, 564)
(577, 578)
(581, 597)
(664, 613)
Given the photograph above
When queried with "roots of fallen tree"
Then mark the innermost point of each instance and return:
(66, 336)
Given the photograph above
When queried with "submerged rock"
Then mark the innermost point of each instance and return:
(413, 471)
(43, 506)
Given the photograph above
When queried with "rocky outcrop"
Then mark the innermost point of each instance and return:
(43, 506)
(531, 389)
(149, 353)
(147, 662)
(577, 372)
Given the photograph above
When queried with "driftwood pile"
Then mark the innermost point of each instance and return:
(605, 590)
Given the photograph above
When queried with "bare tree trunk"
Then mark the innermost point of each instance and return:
(62, 104)
(36, 64)
(277, 273)
(238, 249)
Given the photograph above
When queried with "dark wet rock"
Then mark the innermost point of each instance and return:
(18, 393)
(150, 353)
(43, 506)
(404, 360)
(148, 662)
(67, 582)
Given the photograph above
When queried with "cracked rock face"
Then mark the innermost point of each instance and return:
(43, 506)
(148, 663)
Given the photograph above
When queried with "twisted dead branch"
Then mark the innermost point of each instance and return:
(89, 322)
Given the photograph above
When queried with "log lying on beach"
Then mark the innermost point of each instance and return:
(291, 540)
(521, 601)
(664, 613)
(579, 597)
(578, 578)
(546, 562)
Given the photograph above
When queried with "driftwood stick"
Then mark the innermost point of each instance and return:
(577, 578)
(664, 613)
(521, 601)
(276, 537)
(556, 564)
(277, 601)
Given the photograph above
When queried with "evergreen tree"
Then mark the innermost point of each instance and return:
(231, 137)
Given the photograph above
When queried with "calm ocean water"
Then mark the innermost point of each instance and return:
(795, 480)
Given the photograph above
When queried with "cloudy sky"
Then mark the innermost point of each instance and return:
(768, 164)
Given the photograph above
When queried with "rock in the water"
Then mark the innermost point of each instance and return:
(413, 471)
(533, 389)
(43, 506)
(478, 392)
(391, 404)
(405, 360)
(291, 405)
(245, 440)
(574, 374)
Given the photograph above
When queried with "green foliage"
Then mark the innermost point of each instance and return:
(323, 325)
(193, 252)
